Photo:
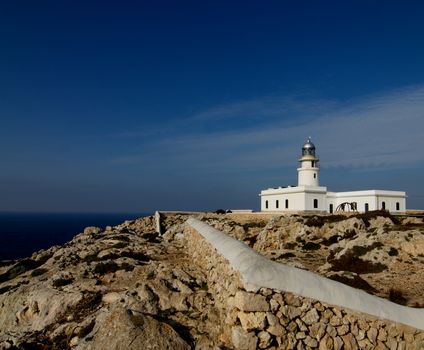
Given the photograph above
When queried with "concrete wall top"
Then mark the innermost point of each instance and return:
(257, 272)
(294, 189)
(367, 193)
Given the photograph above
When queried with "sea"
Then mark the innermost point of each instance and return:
(21, 234)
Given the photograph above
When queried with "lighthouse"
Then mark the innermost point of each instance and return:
(310, 196)
(308, 172)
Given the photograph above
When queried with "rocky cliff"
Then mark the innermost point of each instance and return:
(126, 287)
(120, 288)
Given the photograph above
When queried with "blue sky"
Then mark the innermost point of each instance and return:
(130, 106)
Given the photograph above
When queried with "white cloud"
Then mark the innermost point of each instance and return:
(383, 130)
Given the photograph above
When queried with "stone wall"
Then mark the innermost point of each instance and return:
(267, 318)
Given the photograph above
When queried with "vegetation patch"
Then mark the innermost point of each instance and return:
(290, 245)
(86, 329)
(354, 281)
(123, 238)
(331, 240)
(311, 246)
(359, 250)
(91, 257)
(350, 262)
(397, 297)
(254, 224)
(393, 252)
(319, 221)
(84, 308)
(38, 272)
(370, 215)
(362, 250)
(251, 240)
(286, 255)
(126, 266)
(8, 288)
(151, 237)
(299, 239)
(103, 268)
(120, 245)
(60, 282)
(139, 256)
(19, 268)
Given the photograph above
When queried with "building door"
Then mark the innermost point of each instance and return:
(331, 208)
(367, 207)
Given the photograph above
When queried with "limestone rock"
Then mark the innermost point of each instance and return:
(338, 343)
(365, 344)
(311, 342)
(243, 340)
(264, 339)
(372, 335)
(326, 343)
(245, 301)
(311, 317)
(349, 342)
(121, 328)
(252, 320)
(342, 330)
(277, 330)
(317, 330)
(414, 248)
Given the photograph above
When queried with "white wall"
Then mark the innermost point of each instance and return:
(308, 176)
(309, 201)
(374, 198)
(296, 201)
(257, 272)
(299, 198)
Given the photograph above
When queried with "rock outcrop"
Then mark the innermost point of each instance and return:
(124, 287)
(127, 287)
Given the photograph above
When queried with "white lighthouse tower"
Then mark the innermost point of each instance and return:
(308, 172)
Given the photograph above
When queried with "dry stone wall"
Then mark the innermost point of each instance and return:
(267, 318)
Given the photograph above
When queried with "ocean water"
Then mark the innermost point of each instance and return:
(21, 234)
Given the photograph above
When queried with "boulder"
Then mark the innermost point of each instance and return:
(122, 329)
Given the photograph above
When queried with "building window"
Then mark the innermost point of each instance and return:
(331, 208)
(367, 207)
(397, 206)
(287, 204)
(383, 205)
(315, 203)
(315, 175)
(313, 164)
(276, 204)
(266, 204)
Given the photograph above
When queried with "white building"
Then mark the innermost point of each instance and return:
(308, 195)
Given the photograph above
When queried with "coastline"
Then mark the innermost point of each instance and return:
(24, 233)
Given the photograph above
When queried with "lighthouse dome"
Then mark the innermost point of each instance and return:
(308, 149)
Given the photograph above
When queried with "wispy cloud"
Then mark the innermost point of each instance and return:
(384, 130)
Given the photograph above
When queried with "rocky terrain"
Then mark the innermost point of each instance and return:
(120, 288)
(376, 252)
(127, 287)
